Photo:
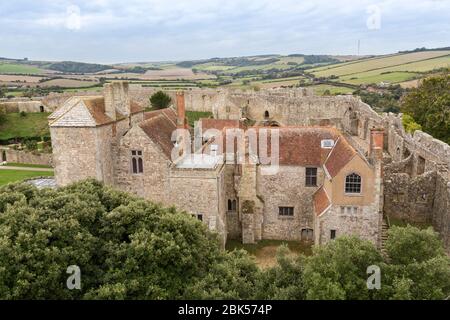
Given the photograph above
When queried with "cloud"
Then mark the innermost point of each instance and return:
(187, 29)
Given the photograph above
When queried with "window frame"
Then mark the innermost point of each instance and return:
(333, 234)
(360, 185)
(137, 162)
(311, 177)
(283, 215)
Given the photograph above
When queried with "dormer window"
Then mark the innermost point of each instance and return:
(353, 184)
(327, 144)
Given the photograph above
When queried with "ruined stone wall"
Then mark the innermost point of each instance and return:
(24, 106)
(417, 178)
(18, 156)
(441, 209)
(287, 189)
(234, 229)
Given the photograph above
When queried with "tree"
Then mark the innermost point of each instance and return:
(338, 270)
(126, 248)
(418, 266)
(160, 100)
(409, 124)
(429, 105)
(285, 281)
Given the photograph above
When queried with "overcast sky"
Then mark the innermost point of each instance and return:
(108, 31)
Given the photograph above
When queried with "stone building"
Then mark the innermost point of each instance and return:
(324, 183)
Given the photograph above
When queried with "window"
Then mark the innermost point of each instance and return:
(307, 234)
(41, 109)
(332, 234)
(137, 163)
(232, 204)
(266, 115)
(286, 211)
(311, 177)
(353, 183)
(198, 216)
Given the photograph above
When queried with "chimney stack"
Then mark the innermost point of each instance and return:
(116, 99)
(376, 144)
(181, 111)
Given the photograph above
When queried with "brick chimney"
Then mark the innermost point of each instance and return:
(376, 144)
(116, 99)
(181, 111)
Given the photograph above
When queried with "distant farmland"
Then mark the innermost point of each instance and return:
(19, 69)
(393, 69)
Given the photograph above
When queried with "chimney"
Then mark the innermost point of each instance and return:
(181, 111)
(376, 144)
(116, 99)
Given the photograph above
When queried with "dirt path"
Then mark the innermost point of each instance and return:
(26, 169)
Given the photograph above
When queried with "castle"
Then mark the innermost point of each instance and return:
(335, 159)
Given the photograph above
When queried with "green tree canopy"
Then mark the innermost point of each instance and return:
(126, 248)
(160, 100)
(429, 105)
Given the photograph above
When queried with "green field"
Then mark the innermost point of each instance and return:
(334, 90)
(30, 125)
(26, 165)
(390, 69)
(8, 176)
(19, 69)
(194, 116)
(385, 62)
(370, 77)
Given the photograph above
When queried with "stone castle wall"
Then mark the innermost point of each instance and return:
(18, 156)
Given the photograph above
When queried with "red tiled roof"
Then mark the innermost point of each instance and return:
(96, 107)
(321, 201)
(135, 107)
(341, 154)
(219, 124)
(169, 113)
(160, 130)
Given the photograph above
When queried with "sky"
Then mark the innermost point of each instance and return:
(110, 31)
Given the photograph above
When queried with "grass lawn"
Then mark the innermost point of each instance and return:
(194, 116)
(8, 176)
(25, 165)
(265, 251)
(31, 125)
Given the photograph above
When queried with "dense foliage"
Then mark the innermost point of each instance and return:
(160, 100)
(429, 105)
(128, 248)
(77, 67)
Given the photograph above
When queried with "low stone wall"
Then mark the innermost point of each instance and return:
(18, 156)
(24, 106)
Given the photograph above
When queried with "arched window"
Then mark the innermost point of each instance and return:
(137, 163)
(353, 183)
(232, 205)
(266, 115)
